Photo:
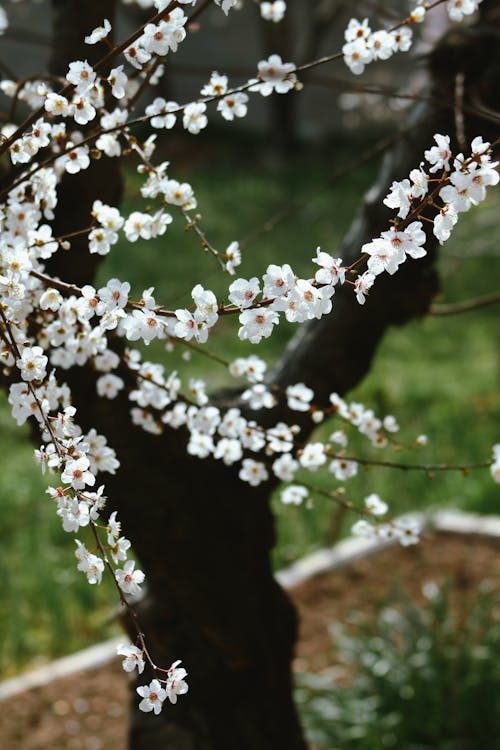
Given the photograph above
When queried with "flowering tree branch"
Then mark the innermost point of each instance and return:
(229, 619)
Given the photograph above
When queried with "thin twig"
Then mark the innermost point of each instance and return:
(427, 468)
(459, 110)
(205, 244)
(466, 306)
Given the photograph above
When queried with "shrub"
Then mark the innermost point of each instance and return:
(419, 678)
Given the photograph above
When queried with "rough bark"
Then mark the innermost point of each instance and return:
(203, 537)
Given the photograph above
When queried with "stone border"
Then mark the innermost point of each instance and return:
(88, 658)
(342, 554)
(349, 550)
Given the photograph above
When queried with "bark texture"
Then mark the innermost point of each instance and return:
(203, 537)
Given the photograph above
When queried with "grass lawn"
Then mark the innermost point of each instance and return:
(440, 376)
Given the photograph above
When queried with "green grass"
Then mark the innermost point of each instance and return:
(439, 376)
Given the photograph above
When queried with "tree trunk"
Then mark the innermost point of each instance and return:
(202, 536)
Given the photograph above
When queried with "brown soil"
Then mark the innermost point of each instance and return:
(88, 711)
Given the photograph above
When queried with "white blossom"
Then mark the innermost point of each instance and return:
(194, 118)
(253, 472)
(99, 33)
(152, 696)
(375, 505)
(294, 494)
(273, 11)
(33, 363)
(133, 657)
(129, 579)
(275, 76)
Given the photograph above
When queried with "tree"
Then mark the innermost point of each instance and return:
(221, 610)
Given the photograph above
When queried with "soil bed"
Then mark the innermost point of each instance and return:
(88, 710)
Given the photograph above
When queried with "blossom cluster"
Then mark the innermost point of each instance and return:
(458, 187)
(262, 453)
(87, 101)
(364, 46)
(78, 458)
(405, 530)
(154, 694)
